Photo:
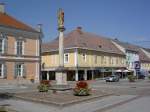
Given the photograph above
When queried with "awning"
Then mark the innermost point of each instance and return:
(118, 70)
(126, 70)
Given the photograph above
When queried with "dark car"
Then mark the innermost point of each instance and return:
(112, 78)
(141, 77)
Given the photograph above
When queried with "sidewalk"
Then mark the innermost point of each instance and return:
(61, 99)
(91, 106)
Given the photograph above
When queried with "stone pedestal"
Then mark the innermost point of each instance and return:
(61, 78)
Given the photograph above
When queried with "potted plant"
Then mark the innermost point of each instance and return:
(43, 88)
(81, 89)
(45, 82)
(131, 78)
(149, 77)
(32, 79)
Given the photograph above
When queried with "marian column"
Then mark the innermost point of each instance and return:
(61, 76)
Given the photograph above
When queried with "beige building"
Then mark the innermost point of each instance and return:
(135, 54)
(19, 49)
(86, 56)
(145, 59)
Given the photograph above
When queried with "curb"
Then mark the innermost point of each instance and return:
(61, 104)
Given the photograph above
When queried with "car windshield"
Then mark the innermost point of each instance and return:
(112, 76)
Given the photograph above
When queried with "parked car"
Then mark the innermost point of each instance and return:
(112, 78)
(141, 77)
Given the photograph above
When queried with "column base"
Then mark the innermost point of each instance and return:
(61, 78)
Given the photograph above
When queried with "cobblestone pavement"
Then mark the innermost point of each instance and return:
(127, 97)
(24, 106)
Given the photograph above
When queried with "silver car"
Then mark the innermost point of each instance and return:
(112, 78)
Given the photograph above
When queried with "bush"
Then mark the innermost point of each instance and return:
(131, 78)
(149, 77)
(43, 88)
(81, 89)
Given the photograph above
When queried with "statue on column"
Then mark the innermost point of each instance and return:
(60, 18)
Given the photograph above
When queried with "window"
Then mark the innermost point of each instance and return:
(3, 43)
(19, 70)
(105, 58)
(66, 58)
(84, 57)
(19, 47)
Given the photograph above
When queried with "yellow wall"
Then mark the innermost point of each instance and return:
(52, 59)
(103, 59)
(145, 66)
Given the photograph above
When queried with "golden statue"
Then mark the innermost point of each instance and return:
(60, 18)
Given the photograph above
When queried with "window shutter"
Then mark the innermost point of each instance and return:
(15, 71)
(15, 48)
(5, 71)
(23, 46)
(24, 71)
(5, 45)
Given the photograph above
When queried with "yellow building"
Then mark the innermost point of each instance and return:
(144, 59)
(86, 56)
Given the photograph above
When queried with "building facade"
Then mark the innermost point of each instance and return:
(137, 58)
(131, 52)
(86, 56)
(145, 61)
(19, 49)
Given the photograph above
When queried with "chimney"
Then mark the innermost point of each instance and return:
(39, 27)
(79, 29)
(2, 7)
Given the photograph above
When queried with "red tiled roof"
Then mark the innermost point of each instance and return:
(127, 46)
(78, 38)
(9, 21)
(143, 56)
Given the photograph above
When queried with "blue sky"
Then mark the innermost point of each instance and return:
(127, 20)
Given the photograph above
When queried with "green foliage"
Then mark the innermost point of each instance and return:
(43, 88)
(82, 89)
(149, 77)
(45, 82)
(131, 78)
